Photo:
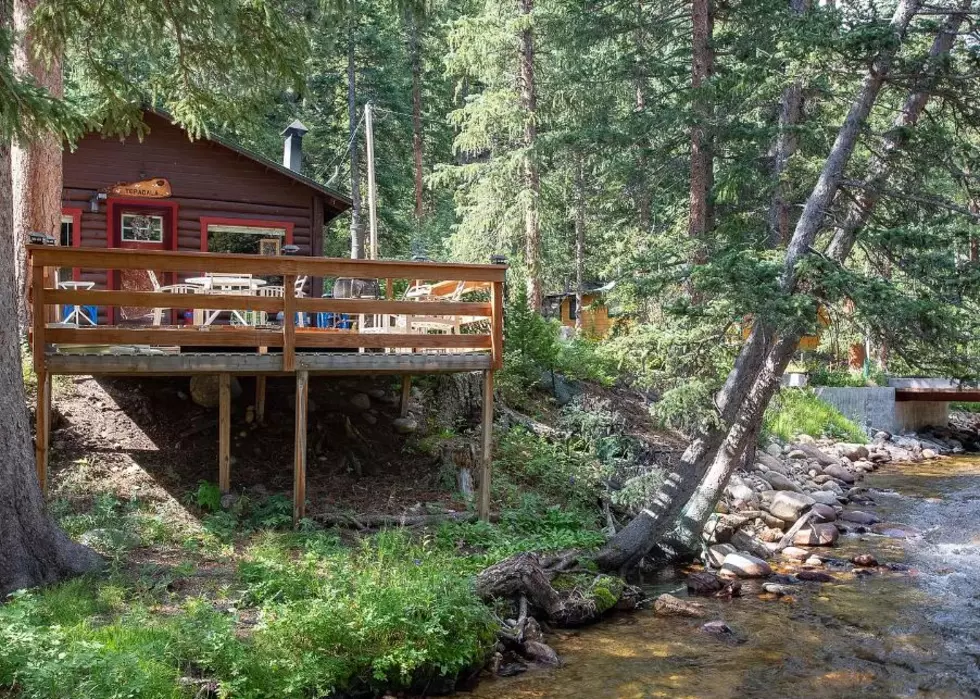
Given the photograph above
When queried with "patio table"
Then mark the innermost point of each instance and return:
(227, 284)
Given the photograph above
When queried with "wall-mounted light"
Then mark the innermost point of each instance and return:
(93, 202)
(290, 249)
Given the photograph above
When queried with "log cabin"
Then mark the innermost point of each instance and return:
(168, 192)
(596, 321)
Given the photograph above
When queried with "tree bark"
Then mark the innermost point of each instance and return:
(415, 53)
(579, 240)
(36, 164)
(33, 551)
(532, 180)
(750, 385)
(702, 156)
(790, 110)
(356, 224)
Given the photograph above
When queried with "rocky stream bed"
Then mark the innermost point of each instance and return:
(833, 570)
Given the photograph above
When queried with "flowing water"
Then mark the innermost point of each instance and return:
(895, 634)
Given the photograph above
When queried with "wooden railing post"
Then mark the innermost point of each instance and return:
(497, 324)
(39, 324)
(289, 323)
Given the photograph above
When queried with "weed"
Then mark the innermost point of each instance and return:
(797, 411)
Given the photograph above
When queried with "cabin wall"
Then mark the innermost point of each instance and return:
(595, 318)
(207, 180)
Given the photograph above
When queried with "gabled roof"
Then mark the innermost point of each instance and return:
(587, 288)
(340, 201)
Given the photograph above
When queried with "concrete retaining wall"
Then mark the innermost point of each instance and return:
(870, 408)
(913, 415)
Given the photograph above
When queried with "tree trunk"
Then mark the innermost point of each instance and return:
(579, 241)
(702, 158)
(356, 224)
(532, 181)
(36, 164)
(33, 551)
(790, 110)
(415, 52)
(742, 401)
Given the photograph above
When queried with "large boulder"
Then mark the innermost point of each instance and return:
(824, 497)
(788, 506)
(817, 535)
(816, 454)
(771, 462)
(744, 541)
(823, 513)
(743, 565)
(840, 473)
(206, 393)
(716, 554)
(854, 452)
(859, 517)
(780, 482)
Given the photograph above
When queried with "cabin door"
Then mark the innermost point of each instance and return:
(140, 226)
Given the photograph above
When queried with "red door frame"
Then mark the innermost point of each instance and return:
(114, 207)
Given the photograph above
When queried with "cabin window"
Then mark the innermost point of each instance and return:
(572, 308)
(251, 240)
(141, 228)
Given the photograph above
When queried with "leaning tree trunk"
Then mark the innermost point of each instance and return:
(33, 551)
(356, 224)
(709, 492)
(36, 164)
(532, 179)
(747, 385)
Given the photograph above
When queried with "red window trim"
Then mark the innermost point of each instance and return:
(114, 204)
(253, 222)
(76, 233)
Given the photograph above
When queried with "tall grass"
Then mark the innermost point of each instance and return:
(796, 411)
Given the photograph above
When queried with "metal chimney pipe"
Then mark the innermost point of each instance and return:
(292, 147)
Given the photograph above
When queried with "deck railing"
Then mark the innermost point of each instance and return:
(289, 337)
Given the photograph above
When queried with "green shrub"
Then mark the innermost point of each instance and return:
(582, 359)
(965, 407)
(796, 411)
(822, 376)
(382, 615)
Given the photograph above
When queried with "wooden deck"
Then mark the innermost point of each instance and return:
(384, 340)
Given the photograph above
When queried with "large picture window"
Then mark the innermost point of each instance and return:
(248, 236)
(141, 228)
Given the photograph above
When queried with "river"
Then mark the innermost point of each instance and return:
(894, 634)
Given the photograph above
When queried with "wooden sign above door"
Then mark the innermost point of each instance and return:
(156, 188)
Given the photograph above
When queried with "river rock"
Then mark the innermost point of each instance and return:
(739, 491)
(704, 583)
(668, 605)
(743, 565)
(859, 517)
(205, 390)
(720, 529)
(832, 488)
(817, 535)
(865, 560)
(817, 454)
(823, 513)
(815, 576)
(771, 462)
(405, 425)
(717, 553)
(797, 454)
(717, 627)
(896, 531)
(854, 452)
(777, 589)
(743, 541)
(813, 561)
(770, 535)
(788, 506)
(542, 653)
(774, 450)
(780, 482)
(794, 554)
(840, 473)
(928, 454)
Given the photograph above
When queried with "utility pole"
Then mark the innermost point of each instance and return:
(372, 188)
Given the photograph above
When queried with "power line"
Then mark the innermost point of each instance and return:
(341, 153)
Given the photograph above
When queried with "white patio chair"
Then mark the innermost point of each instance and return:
(174, 289)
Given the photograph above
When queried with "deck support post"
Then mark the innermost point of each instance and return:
(43, 428)
(406, 394)
(224, 432)
(486, 447)
(260, 399)
(299, 453)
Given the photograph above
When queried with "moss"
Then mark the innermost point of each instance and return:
(603, 591)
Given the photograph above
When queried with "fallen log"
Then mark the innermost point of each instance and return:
(380, 521)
